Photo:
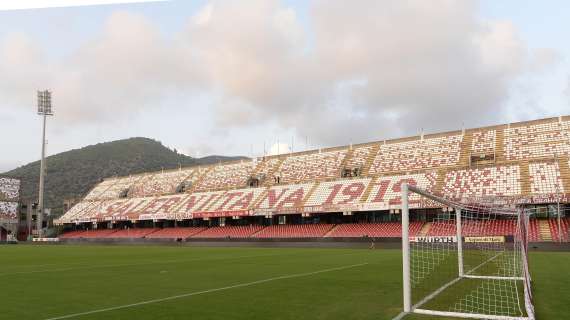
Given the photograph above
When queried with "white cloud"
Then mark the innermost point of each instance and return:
(375, 69)
(363, 71)
(567, 90)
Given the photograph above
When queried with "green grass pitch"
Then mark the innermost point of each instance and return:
(156, 282)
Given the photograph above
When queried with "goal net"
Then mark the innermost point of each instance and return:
(470, 262)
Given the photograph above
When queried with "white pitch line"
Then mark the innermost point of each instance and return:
(239, 285)
(485, 262)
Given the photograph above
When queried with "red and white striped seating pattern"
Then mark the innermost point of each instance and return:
(492, 181)
(8, 210)
(235, 200)
(386, 191)
(537, 140)
(82, 210)
(160, 183)
(112, 188)
(564, 227)
(9, 189)
(417, 154)
(312, 166)
(284, 197)
(483, 141)
(223, 176)
(340, 192)
(359, 156)
(265, 166)
(545, 178)
(533, 232)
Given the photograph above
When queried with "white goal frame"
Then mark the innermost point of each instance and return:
(461, 274)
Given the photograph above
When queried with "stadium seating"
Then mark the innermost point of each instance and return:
(417, 154)
(294, 231)
(228, 232)
(160, 183)
(565, 228)
(537, 140)
(545, 178)
(266, 166)
(131, 233)
(533, 232)
(283, 197)
(385, 230)
(483, 142)
(112, 188)
(175, 233)
(475, 228)
(309, 182)
(386, 191)
(234, 200)
(82, 211)
(359, 156)
(8, 210)
(89, 234)
(339, 192)
(225, 176)
(311, 166)
(349, 230)
(491, 181)
(9, 189)
(71, 234)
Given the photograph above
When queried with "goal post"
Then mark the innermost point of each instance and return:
(469, 262)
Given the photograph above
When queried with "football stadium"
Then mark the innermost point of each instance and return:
(262, 236)
(415, 161)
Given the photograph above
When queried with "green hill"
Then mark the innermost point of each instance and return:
(73, 173)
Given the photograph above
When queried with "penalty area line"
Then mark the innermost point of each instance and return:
(195, 293)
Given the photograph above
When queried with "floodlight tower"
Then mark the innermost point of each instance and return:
(44, 110)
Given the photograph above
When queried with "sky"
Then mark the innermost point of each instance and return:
(238, 77)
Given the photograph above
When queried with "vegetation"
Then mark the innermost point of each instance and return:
(138, 282)
(73, 173)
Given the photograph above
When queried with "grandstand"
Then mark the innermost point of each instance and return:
(9, 204)
(341, 192)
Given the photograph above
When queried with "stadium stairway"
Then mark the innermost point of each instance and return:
(440, 181)
(310, 193)
(500, 145)
(346, 158)
(331, 231)
(564, 165)
(256, 232)
(368, 190)
(465, 149)
(544, 230)
(424, 231)
(258, 168)
(200, 179)
(370, 158)
(525, 178)
(271, 173)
